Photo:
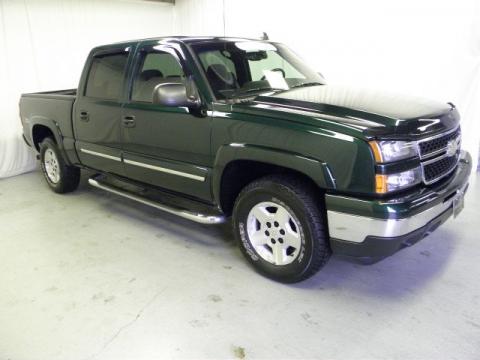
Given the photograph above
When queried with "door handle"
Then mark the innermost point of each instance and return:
(129, 121)
(84, 116)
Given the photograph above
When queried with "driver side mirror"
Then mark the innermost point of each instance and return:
(177, 94)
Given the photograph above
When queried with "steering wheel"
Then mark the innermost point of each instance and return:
(276, 69)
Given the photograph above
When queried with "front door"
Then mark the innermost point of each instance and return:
(164, 146)
(98, 111)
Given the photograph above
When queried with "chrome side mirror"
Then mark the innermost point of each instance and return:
(177, 94)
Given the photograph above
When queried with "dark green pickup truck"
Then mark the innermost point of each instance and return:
(207, 128)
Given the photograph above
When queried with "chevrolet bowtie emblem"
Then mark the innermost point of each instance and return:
(452, 147)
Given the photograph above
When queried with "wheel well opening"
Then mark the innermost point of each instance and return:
(39, 133)
(240, 173)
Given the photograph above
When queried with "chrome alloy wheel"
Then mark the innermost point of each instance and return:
(274, 233)
(50, 162)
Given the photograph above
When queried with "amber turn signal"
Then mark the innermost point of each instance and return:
(381, 184)
(377, 153)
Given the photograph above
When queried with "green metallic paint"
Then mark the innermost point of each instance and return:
(326, 143)
(35, 114)
(349, 159)
(344, 115)
(170, 138)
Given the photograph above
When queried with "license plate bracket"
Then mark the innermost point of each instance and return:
(458, 203)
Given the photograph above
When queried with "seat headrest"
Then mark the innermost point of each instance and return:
(219, 72)
(150, 74)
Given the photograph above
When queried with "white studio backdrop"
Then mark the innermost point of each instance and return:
(429, 48)
(44, 44)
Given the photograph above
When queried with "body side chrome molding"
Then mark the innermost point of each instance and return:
(197, 217)
(94, 153)
(146, 166)
(164, 170)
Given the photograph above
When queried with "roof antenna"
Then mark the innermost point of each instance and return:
(223, 2)
(264, 36)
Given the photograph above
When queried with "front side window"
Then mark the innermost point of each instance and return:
(105, 79)
(156, 67)
(242, 68)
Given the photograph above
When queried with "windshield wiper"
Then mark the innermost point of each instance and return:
(247, 91)
(313, 83)
(240, 92)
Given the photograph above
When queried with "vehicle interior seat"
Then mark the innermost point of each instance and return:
(150, 73)
(221, 78)
(148, 80)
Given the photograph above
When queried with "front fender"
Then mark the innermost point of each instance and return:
(316, 170)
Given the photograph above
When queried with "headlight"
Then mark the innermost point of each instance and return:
(390, 150)
(398, 181)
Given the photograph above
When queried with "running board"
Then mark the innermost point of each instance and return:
(189, 215)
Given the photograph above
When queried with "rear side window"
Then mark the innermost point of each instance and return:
(105, 78)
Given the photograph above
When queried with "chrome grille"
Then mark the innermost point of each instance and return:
(436, 144)
(439, 155)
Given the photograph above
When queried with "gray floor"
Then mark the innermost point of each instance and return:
(93, 276)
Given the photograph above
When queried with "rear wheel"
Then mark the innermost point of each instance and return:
(60, 177)
(279, 224)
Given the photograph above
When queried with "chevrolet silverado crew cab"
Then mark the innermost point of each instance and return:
(210, 128)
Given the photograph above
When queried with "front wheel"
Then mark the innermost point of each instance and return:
(279, 224)
(60, 177)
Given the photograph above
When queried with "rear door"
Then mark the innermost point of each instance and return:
(98, 110)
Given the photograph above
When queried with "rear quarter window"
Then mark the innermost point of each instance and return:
(105, 78)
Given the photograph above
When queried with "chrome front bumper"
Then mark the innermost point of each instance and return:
(355, 228)
(377, 228)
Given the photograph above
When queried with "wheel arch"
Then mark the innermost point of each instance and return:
(236, 165)
(43, 128)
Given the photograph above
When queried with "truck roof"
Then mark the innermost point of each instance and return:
(183, 39)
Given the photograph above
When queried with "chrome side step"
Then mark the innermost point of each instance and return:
(197, 217)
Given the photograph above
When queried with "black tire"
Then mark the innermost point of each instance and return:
(305, 207)
(68, 176)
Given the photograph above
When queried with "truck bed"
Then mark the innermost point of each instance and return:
(52, 109)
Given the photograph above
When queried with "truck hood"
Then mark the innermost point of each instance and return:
(380, 113)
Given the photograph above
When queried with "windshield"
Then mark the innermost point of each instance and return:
(246, 68)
